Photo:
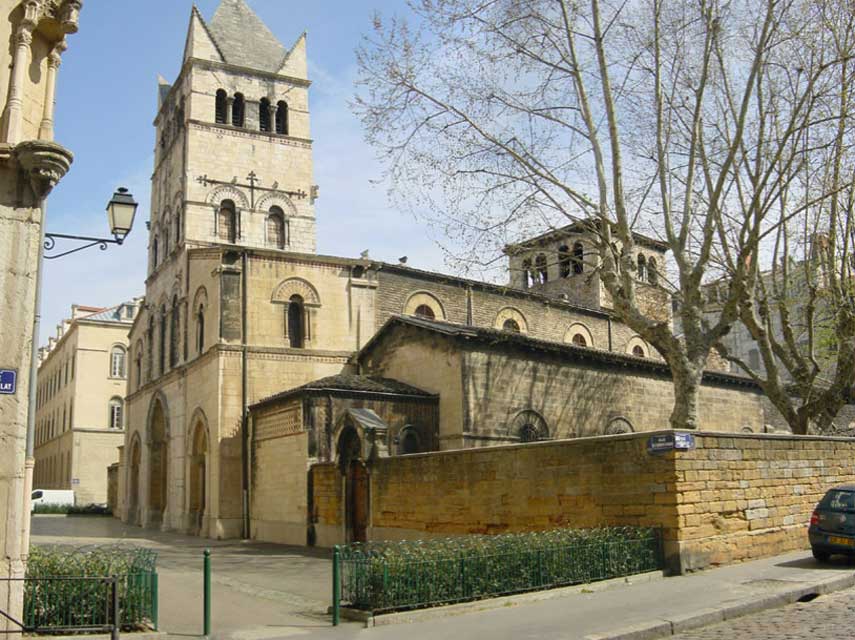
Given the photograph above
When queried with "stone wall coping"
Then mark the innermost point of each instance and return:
(616, 438)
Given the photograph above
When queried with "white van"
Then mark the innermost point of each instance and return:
(52, 496)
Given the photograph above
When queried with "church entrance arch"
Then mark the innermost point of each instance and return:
(355, 473)
(158, 463)
(134, 482)
(198, 475)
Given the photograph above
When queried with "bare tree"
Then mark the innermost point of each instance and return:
(667, 118)
(800, 311)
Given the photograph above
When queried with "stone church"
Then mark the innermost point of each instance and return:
(254, 357)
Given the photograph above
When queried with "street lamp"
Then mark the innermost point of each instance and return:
(120, 216)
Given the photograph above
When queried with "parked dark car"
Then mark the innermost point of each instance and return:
(832, 525)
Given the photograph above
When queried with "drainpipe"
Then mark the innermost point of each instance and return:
(609, 320)
(30, 462)
(244, 449)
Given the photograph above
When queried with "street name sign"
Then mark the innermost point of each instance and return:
(8, 382)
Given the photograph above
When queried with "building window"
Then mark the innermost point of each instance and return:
(138, 363)
(638, 351)
(162, 353)
(117, 411)
(174, 332)
(528, 280)
(578, 258)
(264, 115)
(150, 349)
(238, 109)
(221, 107)
(564, 261)
(579, 340)
(276, 234)
(754, 359)
(177, 226)
(542, 269)
(296, 322)
(510, 325)
(424, 311)
(154, 256)
(227, 222)
(282, 118)
(118, 358)
(642, 267)
(409, 441)
(529, 426)
(200, 330)
(652, 272)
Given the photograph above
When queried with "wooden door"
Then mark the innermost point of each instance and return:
(357, 502)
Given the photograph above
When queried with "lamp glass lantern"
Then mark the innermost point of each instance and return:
(120, 214)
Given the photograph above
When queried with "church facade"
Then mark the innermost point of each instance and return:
(239, 308)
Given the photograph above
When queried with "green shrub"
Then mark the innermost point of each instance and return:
(399, 575)
(55, 596)
(72, 510)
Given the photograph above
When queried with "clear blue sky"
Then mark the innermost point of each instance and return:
(106, 100)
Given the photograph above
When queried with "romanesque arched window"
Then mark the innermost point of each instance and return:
(117, 413)
(652, 272)
(424, 311)
(264, 114)
(200, 330)
(154, 256)
(510, 325)
(282, 118)
(177, 226)
(118, 358)
(138, 365)
(527, 275)
(276, 228)
(150, 348)
(542, 270)
(642, 267)
(579, 340)
(296, 318)
(221, 107)
(174, 332)
(227, 222)
(165, 238)
(409, 441)
(578, 258)
(564, 261)
(238, 110)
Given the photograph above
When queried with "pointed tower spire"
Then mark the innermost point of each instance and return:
(199, 43)
(243, 39)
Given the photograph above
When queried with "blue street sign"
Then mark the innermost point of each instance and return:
(8, 382)
(670, 442)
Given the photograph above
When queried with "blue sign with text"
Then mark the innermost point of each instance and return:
(670, 442)
(8, 382)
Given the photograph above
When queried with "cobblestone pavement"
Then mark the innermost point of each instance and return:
(830, 617)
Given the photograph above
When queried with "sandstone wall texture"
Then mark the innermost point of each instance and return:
(734, 497)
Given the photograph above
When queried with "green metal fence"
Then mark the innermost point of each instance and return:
(71, 588)
(383, 577)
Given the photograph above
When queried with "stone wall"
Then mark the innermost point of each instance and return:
(113, 487)
(734, 497)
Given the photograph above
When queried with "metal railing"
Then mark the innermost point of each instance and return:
(400, 576)
(94, 604)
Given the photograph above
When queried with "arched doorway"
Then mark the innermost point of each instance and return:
(134, 482)
(198, 477)
(158, 464)
(356, 485)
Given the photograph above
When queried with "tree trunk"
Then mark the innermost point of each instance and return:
(687, 389)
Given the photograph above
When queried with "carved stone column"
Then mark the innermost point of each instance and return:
(20, 62)
(54, 60)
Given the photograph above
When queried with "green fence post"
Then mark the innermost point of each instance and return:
(154, 601)
(336, 586)
(207, 603)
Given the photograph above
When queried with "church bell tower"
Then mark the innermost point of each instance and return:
(233, 161)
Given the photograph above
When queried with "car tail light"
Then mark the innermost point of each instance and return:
(814, 519)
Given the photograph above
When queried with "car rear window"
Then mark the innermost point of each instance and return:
(36, 495)
(838, 500)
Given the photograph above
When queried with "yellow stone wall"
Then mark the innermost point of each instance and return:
(734, 497)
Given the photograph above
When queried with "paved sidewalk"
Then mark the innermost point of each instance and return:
(636, 611)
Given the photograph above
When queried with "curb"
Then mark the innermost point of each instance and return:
(432, 613)
(132, 635)
(664, 627)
